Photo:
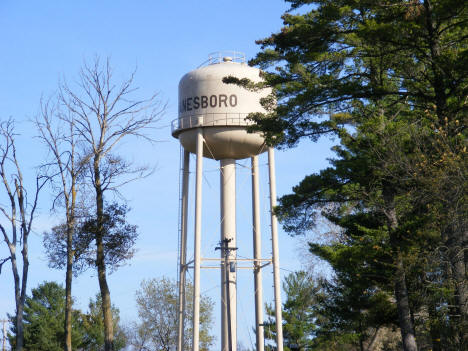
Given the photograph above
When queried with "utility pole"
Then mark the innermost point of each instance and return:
(226, 250)
(4, 321)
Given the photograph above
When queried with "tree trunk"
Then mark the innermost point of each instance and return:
(24, 281)
(457, 247)
(100, 262)
(19, 310)
(463, 291)
(68, 289)
(361, 341)
(403, 307)
(105, 295)
(19, 327)
(70, 204)
(433, 327)
(401, 290)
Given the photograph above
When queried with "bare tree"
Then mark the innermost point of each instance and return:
(19, 214)
(58, 132)
(157, 310)
(105, 113)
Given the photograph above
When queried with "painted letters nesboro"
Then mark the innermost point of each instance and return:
(197, 102)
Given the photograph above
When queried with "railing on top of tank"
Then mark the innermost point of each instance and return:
(218, 57)
(210, 120)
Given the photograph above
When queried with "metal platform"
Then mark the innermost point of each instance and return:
(178, 125)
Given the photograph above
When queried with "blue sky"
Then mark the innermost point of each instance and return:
(42, 42)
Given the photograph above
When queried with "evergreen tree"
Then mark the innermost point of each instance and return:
(299, 313)
(44, 316)
(44, 320)
(385, 233)
(389, 78)
(93, 325)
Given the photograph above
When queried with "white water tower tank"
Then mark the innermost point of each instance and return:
(220, 109)
(212, 123)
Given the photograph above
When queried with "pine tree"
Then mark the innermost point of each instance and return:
(44, 319)
(389, 79)
(299, 312)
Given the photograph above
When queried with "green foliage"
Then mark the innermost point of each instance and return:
(118, 236)
(118, 240)
(364, 255)
(44, 320)
(341, 55)
(55, 244)
(390, 80)
(299, 313)
(44, 314)
(93, 324)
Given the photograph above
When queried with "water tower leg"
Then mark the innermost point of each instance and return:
(197, 245)
(183, 251)
(275, 251)
(257, 248)
(228, 231)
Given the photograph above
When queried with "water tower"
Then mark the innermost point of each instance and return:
(212, 123)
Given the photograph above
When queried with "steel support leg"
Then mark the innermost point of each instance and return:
(197, 246)
(275, 251)
(228, 231)
(183, 251)
(257, 253)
